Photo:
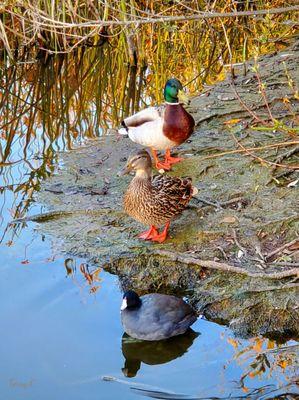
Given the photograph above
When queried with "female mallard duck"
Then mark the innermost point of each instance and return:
(154, 201)
(162, 128)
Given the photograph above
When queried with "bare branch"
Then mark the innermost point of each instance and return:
(186, 259)
(169, 18)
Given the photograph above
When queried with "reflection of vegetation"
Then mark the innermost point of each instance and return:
(263, 356)
(90, 275)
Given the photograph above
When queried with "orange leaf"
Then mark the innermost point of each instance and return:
(26, 121)
(233, 342)
(294, 246)
(258, 345)
(271, 344)
(252, 374)
(283, 364)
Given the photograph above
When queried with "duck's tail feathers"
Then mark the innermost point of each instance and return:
(123, 131)
(194, 191)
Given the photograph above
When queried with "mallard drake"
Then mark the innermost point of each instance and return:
(164, 127)
(155, 316)
(154, 201)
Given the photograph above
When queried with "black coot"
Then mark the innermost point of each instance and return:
(155, 316)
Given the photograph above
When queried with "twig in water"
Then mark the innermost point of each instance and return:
(44, 217)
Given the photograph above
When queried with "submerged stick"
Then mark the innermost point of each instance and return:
(43, 217)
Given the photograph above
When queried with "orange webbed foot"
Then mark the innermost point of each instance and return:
(163, 165)
(147, 235)
(161, 237)
(171, 160)
(159, 164)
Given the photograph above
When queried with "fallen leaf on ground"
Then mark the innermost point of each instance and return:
(294, 246)
(228, 220)
(232, 121)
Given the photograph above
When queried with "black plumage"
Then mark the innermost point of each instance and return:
(156, 316)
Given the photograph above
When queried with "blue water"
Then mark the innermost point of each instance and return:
(59, 337)
(58, 340)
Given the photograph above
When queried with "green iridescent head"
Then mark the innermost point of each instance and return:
(171, 90)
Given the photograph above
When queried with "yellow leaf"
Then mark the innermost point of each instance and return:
(232, 121)
(258, 345)
(252, 374)
(271, 344)
(283, 364)
(233, 342)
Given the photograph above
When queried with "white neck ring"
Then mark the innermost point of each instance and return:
(172, 104)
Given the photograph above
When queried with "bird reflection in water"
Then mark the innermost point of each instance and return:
(153, 352)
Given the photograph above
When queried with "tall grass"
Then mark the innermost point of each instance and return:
(53, 26)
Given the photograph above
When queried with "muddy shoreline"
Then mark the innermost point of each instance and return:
(245, 210)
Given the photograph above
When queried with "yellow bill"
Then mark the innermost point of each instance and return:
(183, 97)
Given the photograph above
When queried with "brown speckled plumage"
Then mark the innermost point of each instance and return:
(157, 200)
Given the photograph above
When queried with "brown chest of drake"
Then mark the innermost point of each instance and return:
(178, 123)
